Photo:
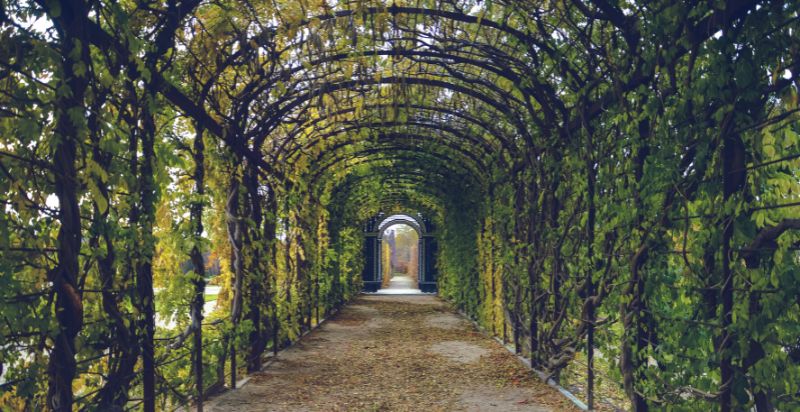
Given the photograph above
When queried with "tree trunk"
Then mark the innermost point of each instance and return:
(198, 265)
(235, 236)
(123, 349)
(144, 263)
(733, 180)
(633, 335)
(256, 273)
(64, 276)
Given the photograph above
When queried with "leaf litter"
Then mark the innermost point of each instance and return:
(394, 353)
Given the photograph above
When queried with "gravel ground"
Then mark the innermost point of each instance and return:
(394, 353)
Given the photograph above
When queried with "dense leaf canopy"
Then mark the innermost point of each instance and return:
(614, 187)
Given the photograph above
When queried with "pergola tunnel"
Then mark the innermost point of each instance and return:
(609, 187)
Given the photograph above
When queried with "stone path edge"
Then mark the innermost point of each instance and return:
(525, 361)
(268, 360)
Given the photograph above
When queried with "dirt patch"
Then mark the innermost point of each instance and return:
(376, 323)
(412, 299)
(485, 398)
(380, 354)
(348, 322)
(458, 351)
(362, 309)
(444, 321)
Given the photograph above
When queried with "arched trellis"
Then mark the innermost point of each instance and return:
(567, 76)
(374, 229)
(483, 124)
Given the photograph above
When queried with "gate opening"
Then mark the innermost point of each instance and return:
(400, 259)
(411, 268)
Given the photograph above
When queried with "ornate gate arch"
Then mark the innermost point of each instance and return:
(373, 236)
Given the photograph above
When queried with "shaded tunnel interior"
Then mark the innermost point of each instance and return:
(611, 187)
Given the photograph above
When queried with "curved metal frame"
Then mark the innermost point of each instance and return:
(401, 219)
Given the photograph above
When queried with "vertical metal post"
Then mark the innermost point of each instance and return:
(590, 310)
(420, 261)
(198, 366)
(233, 363)
(378, 262)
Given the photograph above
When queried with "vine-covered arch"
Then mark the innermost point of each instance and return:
(618, 176)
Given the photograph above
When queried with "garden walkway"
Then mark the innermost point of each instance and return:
(394, 353)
